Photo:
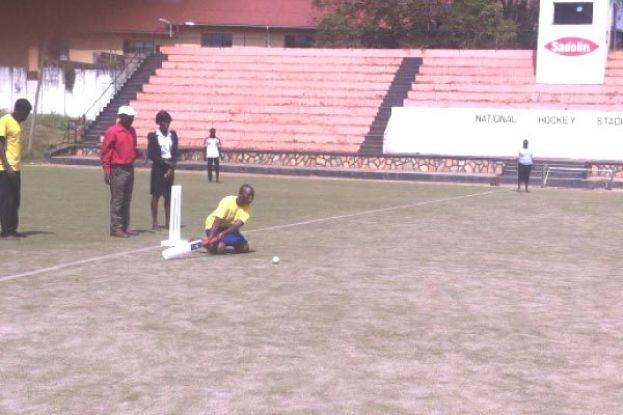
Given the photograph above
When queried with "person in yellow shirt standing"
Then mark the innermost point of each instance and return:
(225, 222)
(10, 158)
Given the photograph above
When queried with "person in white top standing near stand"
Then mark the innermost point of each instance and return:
(213, 153)
(162, 150)
(524, 166)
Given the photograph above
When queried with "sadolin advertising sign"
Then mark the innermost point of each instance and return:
(574, 39)
(571, 46)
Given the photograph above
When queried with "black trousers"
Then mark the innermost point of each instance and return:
(10, 196)
(523, 173)
(213, 161)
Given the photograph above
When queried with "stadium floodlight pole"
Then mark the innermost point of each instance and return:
(167, 22)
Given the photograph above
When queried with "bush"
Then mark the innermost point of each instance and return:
(50, 131)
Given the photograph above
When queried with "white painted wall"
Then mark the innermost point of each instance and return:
(91, 89)
(495, 132)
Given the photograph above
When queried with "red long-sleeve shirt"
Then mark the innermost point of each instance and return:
(118, 147)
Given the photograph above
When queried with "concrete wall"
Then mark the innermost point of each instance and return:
(499, 132)
(84, 49)
(87, 90)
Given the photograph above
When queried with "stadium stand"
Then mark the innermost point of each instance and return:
(487, 78)
(271, 99)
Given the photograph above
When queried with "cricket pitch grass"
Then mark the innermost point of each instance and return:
(390, 298)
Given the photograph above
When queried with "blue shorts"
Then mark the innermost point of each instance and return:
(231, 239)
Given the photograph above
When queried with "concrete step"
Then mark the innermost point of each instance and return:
(285, 84)
(189, 93)
(518, 88)
(251, 108)
(335, 53)
(230, 136)
(182, 118)
(275, 75)
(614, 71)
(236, 101)
(479, 53)
(508, 72)
(473, 63)
(263, 66)
(206, 53)
(221, 109)
(282, 60)
(464, 79)
(523, 98)
(269, 144)
(613, 80)
(531, 105)
(145, 125)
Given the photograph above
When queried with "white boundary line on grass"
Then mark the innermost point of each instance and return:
(368, 212)
(268, 228)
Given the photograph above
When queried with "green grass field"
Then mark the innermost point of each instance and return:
(390, 298)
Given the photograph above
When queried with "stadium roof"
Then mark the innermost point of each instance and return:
(141, 16)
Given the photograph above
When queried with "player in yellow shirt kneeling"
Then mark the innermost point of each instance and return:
(225, 222)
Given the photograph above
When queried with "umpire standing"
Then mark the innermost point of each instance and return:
(117, 157)
(524, 166)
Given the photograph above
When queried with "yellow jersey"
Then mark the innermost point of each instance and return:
(229, 212)
(12, 133)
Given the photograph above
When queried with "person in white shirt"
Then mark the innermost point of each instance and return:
(162, 150)
(213, 153)
(524, 166)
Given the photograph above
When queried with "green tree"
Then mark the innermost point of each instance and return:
(480, 24)
(381, 23)
(525, 13)
(419, 23)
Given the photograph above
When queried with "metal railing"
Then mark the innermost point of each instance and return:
(118, 81)
(548, 169)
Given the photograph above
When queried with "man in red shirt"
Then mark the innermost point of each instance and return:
(117, 156)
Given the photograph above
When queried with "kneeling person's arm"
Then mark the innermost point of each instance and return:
(232, 228)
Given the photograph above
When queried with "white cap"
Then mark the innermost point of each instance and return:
(126, 110)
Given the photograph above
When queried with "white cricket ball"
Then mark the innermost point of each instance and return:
(275, 260)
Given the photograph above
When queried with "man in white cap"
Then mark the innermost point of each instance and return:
(117, 156)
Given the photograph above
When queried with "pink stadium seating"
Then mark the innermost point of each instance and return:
(325, 100)
(506, 79)
(269, 99)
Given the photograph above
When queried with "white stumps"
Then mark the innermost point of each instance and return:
(574, 38)
(175, 216)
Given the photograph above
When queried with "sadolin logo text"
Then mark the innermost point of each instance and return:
(571, 46)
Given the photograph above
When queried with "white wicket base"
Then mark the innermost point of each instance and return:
(175, 218)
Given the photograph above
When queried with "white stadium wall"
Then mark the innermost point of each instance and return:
(90, 89)
(491, 132)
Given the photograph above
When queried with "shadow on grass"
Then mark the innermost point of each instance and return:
(33, 233)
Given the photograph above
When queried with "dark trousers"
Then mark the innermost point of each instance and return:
(523, 173)
(213, 161)
(9, 203)
(121, 186)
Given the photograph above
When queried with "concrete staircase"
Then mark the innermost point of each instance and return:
(126, 94)
(398, 91)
